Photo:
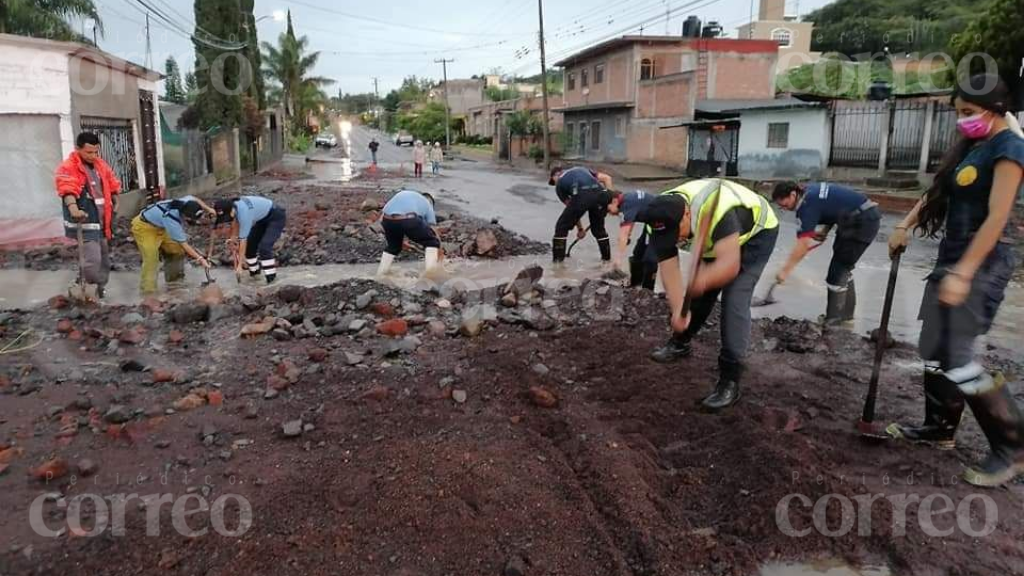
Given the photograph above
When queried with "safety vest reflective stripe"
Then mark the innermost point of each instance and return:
(735, 195)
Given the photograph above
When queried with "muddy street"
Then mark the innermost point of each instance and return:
(466, 422)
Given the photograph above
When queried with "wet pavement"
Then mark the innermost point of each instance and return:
(523, 203)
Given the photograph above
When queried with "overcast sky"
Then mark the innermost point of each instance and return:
(397, 38)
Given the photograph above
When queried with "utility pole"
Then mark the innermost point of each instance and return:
(544, 87)
(149, 50)
(750, 30)
(376, 91)
(447, 112)
(95, 42)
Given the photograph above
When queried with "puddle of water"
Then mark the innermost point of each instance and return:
(823, 568)
(331, 169)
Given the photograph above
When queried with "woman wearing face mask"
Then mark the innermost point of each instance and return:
(970, 201)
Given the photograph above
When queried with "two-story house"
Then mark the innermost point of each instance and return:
(625, 99)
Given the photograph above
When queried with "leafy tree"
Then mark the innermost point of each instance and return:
(191, 88)
(290, 66)
(426, 124)
(355, 103)
(518, 123)
(257, 88)
(47, 18)
(496, 94)
(999, 32)
(173, 89)
(218, 71)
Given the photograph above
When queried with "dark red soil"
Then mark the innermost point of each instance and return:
(623, 476)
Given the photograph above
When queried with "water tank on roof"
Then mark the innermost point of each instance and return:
(691, 27)
(712, 29)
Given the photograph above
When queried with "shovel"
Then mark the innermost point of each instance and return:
(82, 292)
(576, 241)
(868, 428)
(768, 299)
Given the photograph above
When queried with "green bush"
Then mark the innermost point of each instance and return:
(536, 152)
(300, 143)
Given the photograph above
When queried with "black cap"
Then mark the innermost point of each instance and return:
(554, 170)
(223, 209)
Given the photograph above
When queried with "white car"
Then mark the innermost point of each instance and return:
(326, 140)
(403, 138)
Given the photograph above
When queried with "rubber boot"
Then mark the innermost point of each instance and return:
(850, 306)
(605, 246)
(558, 250)
(677, 348)
(727, 391)
(430, 256)
(943, 409)
(1000, 419)
(834, 308)
(270, 278)
(636, 272)
(386, 260)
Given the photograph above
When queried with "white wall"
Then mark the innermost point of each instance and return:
(806, 155)
(36, 82)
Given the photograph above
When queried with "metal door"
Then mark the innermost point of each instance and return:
(150, 166)
(117, 147)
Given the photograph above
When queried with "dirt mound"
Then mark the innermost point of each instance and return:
(548, 443)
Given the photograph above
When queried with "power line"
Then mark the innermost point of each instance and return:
(388, 22)
(219, 44)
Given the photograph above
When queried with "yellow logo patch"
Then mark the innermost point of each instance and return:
(967, 176)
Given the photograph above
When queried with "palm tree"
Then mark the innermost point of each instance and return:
(47, 18)
(289, 66)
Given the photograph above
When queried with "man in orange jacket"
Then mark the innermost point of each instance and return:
(88, 190)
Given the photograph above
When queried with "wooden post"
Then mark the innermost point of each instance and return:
(886, 128)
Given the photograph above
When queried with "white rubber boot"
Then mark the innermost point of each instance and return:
(386, 259)
(431, 257)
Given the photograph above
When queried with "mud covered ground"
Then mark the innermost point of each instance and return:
(327, 224)
(529, 437)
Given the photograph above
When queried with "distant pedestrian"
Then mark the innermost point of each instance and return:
(419, 157)
(374, 145)
(89, 190)
(436, 157)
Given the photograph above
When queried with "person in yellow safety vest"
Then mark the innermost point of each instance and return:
(743, 231)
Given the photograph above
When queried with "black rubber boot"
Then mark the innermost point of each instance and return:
(727, 391)
(677, 348)
(1000, 419)
(605, 246)
(850, 306)
(834, 308)
(943, 409)
(636, 272)
(271, 278)
(558, 250)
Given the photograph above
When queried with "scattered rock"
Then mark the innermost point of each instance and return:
(371, 205)
(64, 326)
(162, 376)
(259, 328)
(460, 396)
(87, 467)
(52, 470)
(132, 318)
(394, 328)
(189, 402)
(485, 242)
(270, 394)
(406, 345)
(353, 359)
(190, 313)
(471, 326)
(383, 309)
(443, 304)
(376, 394)
(437, 328)
(133, 366)
(540, 369)
(365, 299)
(176, 337)
(289, 294)
(211, 295)
(118, 414)
(318, 355)
(59, 302)
(516, 566)
(132, 336)
(292, 429)
(215, 398)
(277, 383)
(357, 325)
(509, 300)
(252, 411)
(543, 398)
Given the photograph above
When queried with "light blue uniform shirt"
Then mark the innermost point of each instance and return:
(162, 216)
(250, 210)
(411, 202)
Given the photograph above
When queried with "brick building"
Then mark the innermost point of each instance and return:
(625, 99)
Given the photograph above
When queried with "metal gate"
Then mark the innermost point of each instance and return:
(906, 135)
(944, 134)
(711, 147)
(149, 159)
(857, 134)
(117, 147)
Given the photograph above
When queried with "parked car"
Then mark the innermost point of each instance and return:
(326, 140)
(403, 138)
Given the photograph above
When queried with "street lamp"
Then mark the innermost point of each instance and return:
(276, 15)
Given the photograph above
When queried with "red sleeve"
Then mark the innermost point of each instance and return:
(66, 182)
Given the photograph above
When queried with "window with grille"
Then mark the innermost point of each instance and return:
(595, 135)
(599, 74)
(571, 81)
(783, 36)
(584, 81)
(778, 135)
(620, 127)
(646, 69)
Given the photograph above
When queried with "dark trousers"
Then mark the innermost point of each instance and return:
(418, 170)
(260, 245)
(853, 237)
(736, 299)
(643, 264)
(948, 334)
(591, 204)
(413, 228)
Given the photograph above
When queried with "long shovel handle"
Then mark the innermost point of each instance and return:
(568, 252)
(880, 344)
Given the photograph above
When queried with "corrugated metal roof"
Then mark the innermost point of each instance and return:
(727, 106)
